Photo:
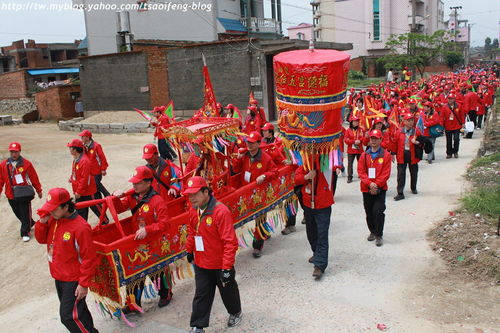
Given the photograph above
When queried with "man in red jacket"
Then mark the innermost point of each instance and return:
(163, 172)
(374, 169)
(470, 107)
(453, 119)
(71, 255)
(94, 152)
(212, 244)
(18, 171)
(317, 213)
(404, 147)
(255, 165)
(81, 179)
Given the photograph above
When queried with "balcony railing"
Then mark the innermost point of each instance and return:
(262, 25)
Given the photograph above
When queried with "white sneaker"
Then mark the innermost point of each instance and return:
(26, 238)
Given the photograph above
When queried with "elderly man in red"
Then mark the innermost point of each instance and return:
(453, 119)
(374, 169)
(149, 216)
(82, 181)
(253, 121)
(71, 255)
(255, 165)
(19, 177)
(94, 152)
(163, 172)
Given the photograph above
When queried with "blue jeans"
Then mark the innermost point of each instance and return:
(317, 225)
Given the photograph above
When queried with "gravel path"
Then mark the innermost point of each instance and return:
(363, 285)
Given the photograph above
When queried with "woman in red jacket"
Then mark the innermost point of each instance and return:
(212, 245)
(353, 138)
(71, 255)
(481, 108)
(453, 120)
(431, 118)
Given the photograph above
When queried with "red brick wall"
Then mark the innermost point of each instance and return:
(56, 102)
(357, 64)
(157, 77)
(436, 69)
(13, 85)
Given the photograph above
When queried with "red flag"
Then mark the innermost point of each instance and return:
(209, 102)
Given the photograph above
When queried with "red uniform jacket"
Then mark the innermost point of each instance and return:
(481, 108)
(152, 214)
(8, 172)
(431, 119)
(252, 124)
(350, 136)
(166, 170)
(471, 102)
(97, 158)
(215, 226)
(452, 121)
(382, 165)
(399, 139)
(70, 249)
(323, 195)
(274, 148)
(162, 121)
(261, 164)
(82, 180)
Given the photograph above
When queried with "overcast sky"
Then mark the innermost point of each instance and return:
(68, 25)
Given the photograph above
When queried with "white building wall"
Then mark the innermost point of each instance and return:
(189, 25)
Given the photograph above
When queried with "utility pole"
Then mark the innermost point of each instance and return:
(413, 16)
(455, 19)
(314, 4)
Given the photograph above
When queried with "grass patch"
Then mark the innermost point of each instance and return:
(487, 160)
(485, 201)
(359, 83)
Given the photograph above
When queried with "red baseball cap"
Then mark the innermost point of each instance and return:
(85, 133)
(452, 96)
(412, 101)
(378, 120)
(254, 101)
(229, 106)
(376, 133)
(14, 146)
(267, 127)
(195, 184)
(253, 108)
(353, 118)
(149, 150)
(254, 137)
(407, 116)
(75, 143)
(428, 104)
(56, 197)
(141, 173)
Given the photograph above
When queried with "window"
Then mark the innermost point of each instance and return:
(300, 36)
(376, 19)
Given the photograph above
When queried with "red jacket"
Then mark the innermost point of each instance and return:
(162, 121)
(323, 195)
(153, 214)
(262, 164)
(252, 124)
(70, 249)
(398, 147)
(481, 108)
(97, 158)
(82, 180)
(8, 173)
(166, 170)
(431, 119)
(452, 121)
(382, 165)
(215, 226)
(471, 102)
(350, 137)
(275, 150)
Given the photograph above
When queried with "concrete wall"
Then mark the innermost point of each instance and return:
(114, 82)
(189, 25)
(13, 85)
(56, 102)
(229, 71)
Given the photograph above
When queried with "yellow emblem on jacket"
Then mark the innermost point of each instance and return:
(209, 221)
(380, 160)
(145, 208)
(165, 173)
(77, 167)
(91, 151)
(67, 236)
(259, 165)
(21, 169)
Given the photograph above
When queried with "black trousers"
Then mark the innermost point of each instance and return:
(206, 280)
(74, 314)
(84, 212)
(317, 225)
(22, 210)
(374, 209)
(480, 120)
(291, 221)
(452, 142)
(165, 149)
(101, 190)
(473, 117)
(350, 161)
(402, 173)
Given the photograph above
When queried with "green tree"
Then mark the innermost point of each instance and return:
(494, 45)
(487, 44)
(453, 58)
(415, 50)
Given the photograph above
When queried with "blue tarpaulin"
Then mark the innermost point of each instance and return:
(53, 71)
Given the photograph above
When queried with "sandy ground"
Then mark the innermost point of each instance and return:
(403, 284)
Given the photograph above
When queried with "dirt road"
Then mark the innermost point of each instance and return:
(402, 284)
